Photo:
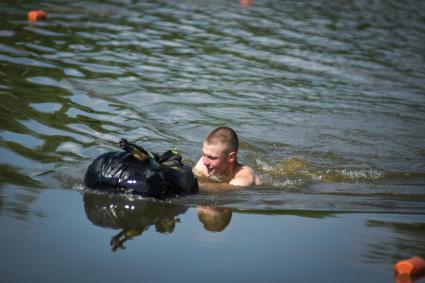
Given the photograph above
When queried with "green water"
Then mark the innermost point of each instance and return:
(327, 98)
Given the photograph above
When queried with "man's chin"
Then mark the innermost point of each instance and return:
(214, 176)
(213, 173)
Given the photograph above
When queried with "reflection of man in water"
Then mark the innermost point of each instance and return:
(214, 219)
(219, 160)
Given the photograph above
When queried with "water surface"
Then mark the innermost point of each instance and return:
(327, 99)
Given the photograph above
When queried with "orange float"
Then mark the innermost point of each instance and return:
(411, 266)
(409, 270)
(36, 15)
(245, 3)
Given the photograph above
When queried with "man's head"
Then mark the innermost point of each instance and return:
(225, 136)
(219, 150)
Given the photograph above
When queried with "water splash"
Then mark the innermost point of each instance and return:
(296, 172)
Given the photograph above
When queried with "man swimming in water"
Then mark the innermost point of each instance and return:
(219, 160)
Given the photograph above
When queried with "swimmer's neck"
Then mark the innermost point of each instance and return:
(229, 174)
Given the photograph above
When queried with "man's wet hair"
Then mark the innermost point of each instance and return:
(224, 135)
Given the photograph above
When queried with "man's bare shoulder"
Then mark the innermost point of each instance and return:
(245, 177)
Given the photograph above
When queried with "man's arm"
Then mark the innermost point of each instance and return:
(199, 169)
(212, 186)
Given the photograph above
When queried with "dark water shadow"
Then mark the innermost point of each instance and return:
(24, 189)
(408, 239)
(301, 213)
(12, 175)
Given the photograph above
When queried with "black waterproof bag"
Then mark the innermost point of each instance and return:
(136, 170)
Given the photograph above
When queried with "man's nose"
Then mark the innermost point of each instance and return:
(206, 161)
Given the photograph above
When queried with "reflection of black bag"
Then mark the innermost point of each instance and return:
(138, 171)
(119, 212)
(132, 217)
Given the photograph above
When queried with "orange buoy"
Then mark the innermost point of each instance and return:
(411, 266)
(245, 3)
(36, 15)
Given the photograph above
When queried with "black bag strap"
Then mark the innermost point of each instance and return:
(169, 158)
(138, 152)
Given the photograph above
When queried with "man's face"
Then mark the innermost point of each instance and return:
(215, 158)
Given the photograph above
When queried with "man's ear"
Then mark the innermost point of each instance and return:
(232, 156)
